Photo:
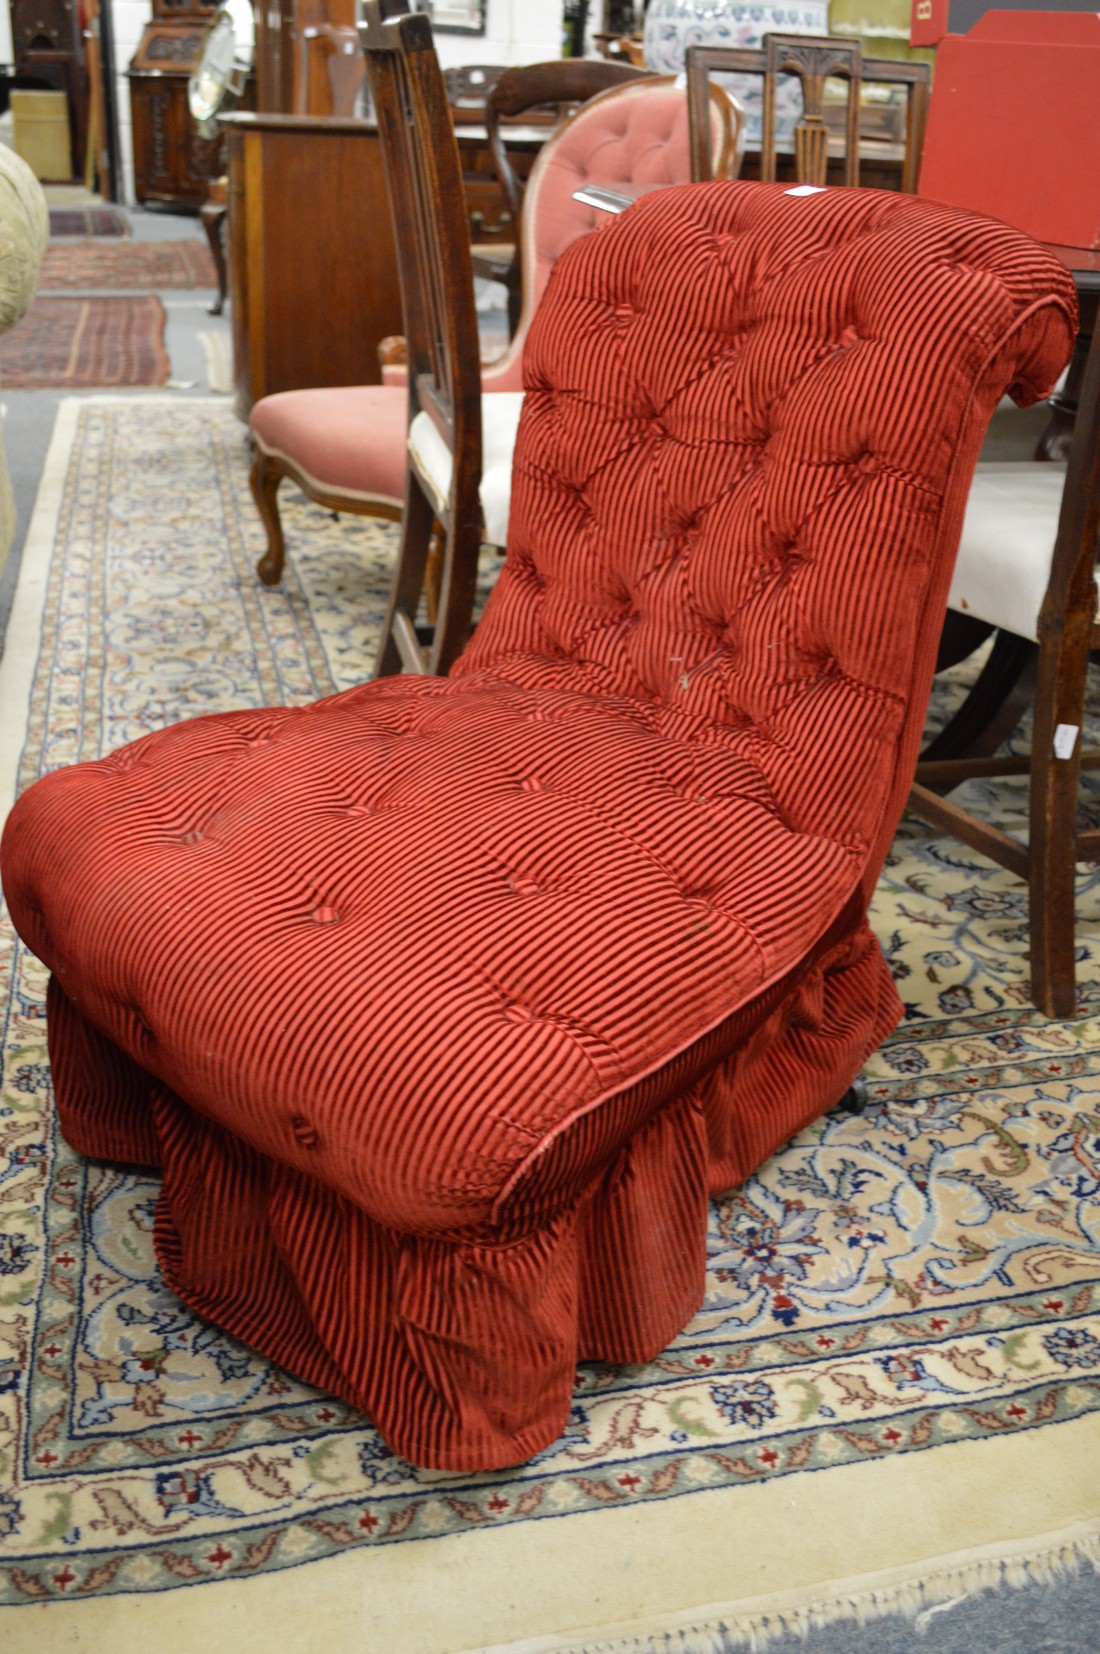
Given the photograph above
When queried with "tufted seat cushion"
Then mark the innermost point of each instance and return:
(444, 1004)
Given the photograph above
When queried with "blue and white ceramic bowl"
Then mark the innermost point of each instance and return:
(671, 26)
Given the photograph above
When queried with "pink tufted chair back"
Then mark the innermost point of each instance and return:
(629, 137)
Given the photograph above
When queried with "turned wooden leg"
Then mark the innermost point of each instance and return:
(264, 479)
(213, 214)
(433, 573)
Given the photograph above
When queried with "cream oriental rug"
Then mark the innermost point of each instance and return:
(890, 1397)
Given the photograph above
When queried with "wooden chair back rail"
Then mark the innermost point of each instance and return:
(917, 79)
(469, 86)
(564, 82)
(1066, 625)
(424, 176)
(813, 59)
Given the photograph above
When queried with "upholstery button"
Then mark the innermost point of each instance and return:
(532, 784)
(866, 463)
(193, 837)
(519, 1013)
(325, 915)
(526, 887)
(304, 1132)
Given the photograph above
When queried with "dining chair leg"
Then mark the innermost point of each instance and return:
(264, 479)
(457, 593)
(1052, 850)
(399, 650)
(433, 573)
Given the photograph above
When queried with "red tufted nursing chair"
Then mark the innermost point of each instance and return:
(544, 953)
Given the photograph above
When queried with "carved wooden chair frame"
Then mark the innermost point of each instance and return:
(813, 58)
(1057, 667)
(424, 176)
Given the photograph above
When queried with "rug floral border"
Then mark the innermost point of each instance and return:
(971, 1101)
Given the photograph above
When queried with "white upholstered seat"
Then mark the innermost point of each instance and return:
(1003, 567)
(499, 422)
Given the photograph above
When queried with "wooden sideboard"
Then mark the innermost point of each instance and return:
(312, 269)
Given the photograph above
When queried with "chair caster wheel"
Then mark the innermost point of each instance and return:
(854, 1100)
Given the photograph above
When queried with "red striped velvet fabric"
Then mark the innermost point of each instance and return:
(445, 1004)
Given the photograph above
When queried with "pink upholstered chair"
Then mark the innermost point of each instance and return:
(346, 448)
(575, 81)
(545, 952)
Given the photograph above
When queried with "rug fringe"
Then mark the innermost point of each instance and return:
(219, 363)
(942, 1587)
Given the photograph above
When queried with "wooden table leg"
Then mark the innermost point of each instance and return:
(997, 701)
(213, 214)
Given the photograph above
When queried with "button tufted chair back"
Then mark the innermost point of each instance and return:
(743, 458)
(630, 138)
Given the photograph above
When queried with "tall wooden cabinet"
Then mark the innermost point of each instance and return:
(173, 166)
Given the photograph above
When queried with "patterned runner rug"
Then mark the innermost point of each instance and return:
(890, 1396)
(65, 344)
(88, 221)
(88, 264)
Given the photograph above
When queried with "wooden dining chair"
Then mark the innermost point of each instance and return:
(814, 59)
(1027, 566)
(443, 471)
(556, 88)
(412, 453)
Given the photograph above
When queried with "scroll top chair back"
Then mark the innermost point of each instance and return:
(424, 176)
(755, 586)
